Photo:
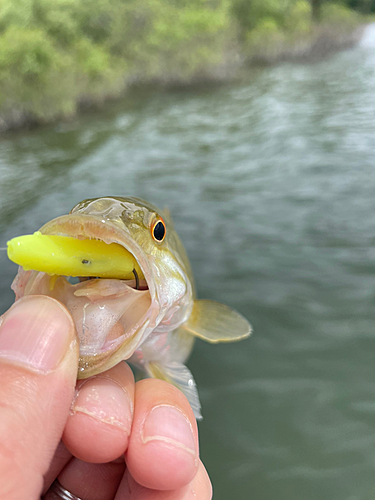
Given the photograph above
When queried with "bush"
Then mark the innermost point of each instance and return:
(16, 13)
(265, 34)
(336, 14)
(299, 18)
(182, 42)
(33, 73)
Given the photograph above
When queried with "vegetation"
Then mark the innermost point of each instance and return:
(56, 54)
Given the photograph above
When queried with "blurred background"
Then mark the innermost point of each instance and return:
(244, 118)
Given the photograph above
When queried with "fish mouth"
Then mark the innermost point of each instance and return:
(112, 316)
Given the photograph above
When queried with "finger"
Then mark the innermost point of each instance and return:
(38, 369)
(163, 447)
(60, 459)
(90, 481)
(98, 427)
(198, 489)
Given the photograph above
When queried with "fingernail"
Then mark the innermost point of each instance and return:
(36, 333)
(168, 424)
(105, 400)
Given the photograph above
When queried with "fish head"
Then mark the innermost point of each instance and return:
(113, 317)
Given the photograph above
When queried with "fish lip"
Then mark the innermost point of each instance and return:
(92, 226)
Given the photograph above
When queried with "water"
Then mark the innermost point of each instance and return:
(271, 185)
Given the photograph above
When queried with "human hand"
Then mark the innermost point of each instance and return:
(120, 440)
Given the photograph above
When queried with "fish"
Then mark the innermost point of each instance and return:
(148, 314)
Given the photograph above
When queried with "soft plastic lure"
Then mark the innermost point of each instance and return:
(64, 255)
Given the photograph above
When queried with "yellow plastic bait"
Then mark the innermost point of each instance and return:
(67, 256)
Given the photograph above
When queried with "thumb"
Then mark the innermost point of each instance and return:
(38, 370)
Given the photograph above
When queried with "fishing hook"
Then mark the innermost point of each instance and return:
(136, 279)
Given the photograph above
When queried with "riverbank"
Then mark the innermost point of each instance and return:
(321, 43)
(51, 69)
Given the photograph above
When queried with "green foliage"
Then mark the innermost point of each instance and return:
(180, 41)
(265, 34)
(333, 13)
(299, 18)
(275, 25)
(27, 53)
(32, 72)
(58, 19)
(272, 26)
(54, 53)
(250, 14)
(15, 13)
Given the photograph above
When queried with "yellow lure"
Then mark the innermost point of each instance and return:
(67, 256)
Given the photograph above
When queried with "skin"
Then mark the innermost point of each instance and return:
(103, 438)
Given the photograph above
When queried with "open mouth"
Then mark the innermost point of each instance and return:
(106, 312)
(110, 311)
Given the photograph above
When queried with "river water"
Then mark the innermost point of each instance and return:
(271, 184)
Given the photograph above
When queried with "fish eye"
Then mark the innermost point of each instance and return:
(158, 230)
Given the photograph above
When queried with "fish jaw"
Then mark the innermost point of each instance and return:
(94, 227)
(85, 304)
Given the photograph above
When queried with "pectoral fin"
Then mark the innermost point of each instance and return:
(178, 375)
(215, 322)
